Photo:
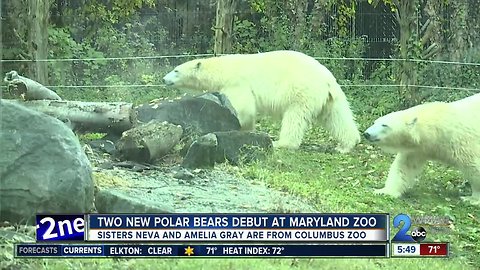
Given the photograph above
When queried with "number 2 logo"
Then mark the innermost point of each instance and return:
(402, 235)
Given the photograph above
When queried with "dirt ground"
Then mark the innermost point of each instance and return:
(201, 191)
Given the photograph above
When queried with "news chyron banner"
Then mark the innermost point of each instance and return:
(239, 228)
(210, 235)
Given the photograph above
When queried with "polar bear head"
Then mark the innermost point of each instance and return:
(395, 131)
(184, 75)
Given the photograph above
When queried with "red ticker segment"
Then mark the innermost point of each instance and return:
(434, 249)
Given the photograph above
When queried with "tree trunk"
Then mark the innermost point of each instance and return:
(101, 117)
(300, 25)
(473, 24)
(432, 29)
(460, 41)
(1, 39)
(15, 31)
(38, 11)
(224, 26)
(406, 18)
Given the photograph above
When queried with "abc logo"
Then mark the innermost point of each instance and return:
(418, 234)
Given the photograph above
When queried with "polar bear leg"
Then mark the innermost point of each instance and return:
(474, 178)
(339, 121)
(403, 171)
(244, 104)
(295, 122)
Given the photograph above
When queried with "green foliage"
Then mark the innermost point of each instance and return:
(133, 37)
(258, 5)
(347, 71)
(389, 3)
(111, 11)
(275, 31)
(289, 24)
(345, 13)
(451, 75)
(375, 101)
(91, 136)
(95, 29)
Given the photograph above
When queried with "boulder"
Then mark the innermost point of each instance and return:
(202, 153)
(236, 147)
(43, 168)
(197, 115)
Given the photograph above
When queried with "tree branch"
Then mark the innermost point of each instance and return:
(397, 15)
(430, 51)
(427, 34)
(17, 35)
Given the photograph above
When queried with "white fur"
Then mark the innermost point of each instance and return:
(286, 85)
(445, 132)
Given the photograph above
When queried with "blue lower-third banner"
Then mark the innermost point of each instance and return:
(196, 250)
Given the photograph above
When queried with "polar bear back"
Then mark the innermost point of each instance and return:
(292, 77)
(266, 70)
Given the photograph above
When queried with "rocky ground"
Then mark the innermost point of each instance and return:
(179, 190)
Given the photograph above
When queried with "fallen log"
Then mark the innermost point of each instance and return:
(27, 89)
(99, 117)
(148, 142)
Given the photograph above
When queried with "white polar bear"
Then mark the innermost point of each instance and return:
(283, 84)
(445, 132)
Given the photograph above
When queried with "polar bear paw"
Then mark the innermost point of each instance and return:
(388, 192)
(343, 149)
(471, 200)
(280, 144)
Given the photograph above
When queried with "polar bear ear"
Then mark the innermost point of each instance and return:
(414, 132)
(197, 66)
(413, 122)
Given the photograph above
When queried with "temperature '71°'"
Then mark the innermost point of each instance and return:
(433, 249)
(211, 250)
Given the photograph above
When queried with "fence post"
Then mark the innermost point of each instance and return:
(224, 26)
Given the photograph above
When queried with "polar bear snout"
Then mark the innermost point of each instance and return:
(372, 134)
(171, 78)
(367, 135)
(167, 81)
(370, 137)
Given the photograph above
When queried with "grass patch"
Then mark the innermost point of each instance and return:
(103, 180)
(247, 264)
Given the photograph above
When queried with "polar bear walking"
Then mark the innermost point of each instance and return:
(445, 132)
(286, 85)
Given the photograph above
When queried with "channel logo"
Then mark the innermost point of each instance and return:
(418, 234)
(60, 227)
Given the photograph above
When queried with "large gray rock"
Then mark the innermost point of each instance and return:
(197, 115)
(202, 152)
(236, 147)
(43, 168)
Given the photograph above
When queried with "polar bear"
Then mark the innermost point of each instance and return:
(439, 131)
(286, 85)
